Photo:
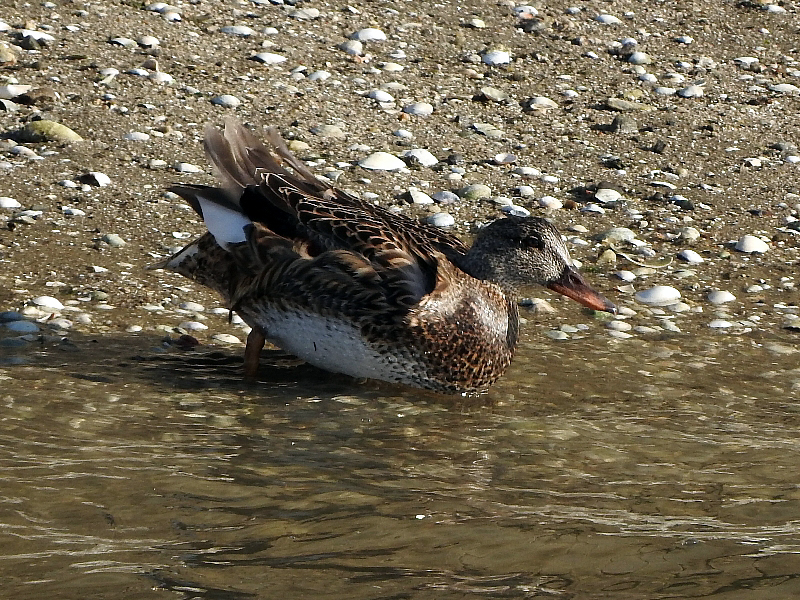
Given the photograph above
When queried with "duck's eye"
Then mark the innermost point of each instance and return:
(531, 242)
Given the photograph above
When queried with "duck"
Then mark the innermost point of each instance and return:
(354, 288)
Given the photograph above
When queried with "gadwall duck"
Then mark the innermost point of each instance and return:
(353, 288)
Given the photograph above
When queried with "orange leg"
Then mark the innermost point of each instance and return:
(252, 352)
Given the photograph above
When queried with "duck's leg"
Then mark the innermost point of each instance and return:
(252, 352)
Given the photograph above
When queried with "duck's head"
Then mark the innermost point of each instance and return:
(517, 252)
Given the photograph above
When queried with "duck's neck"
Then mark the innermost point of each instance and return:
(475, 263)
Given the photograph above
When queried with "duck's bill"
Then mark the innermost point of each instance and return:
(574, 286)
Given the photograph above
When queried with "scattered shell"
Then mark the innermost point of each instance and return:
(148, 41)
(539, 103)
(7, 92)
(380, 96)
(352, 47)
(660, 295)
(606, 195)
(95, 178)
(720, 324)
(720, 297)
(751, 244)
(382, 161)
(550, 203)
(419, 197)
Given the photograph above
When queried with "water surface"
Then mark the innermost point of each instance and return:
(650, 469)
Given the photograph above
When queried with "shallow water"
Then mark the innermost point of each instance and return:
(658, 469)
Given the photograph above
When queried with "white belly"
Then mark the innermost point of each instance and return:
(331, 345)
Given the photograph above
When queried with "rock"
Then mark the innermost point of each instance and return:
(6, 202)
(113, 240)
(268, 58)
(420, 156)
(328, 131)
(48, 131)
(660, 295)
(475, 191)
(419, 109)
(226, 101)
(237, 30)
(690, 256)
(720, 297)
(369, 34)
(751, 244)
(441, 219)
(496, 57)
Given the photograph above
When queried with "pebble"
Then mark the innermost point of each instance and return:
(6, 202)
(607, 19)
(607, 195)
(238, 30)
(639, 58)
(369, 34)
(720, 297)
(690, 256)
(95, 178)
(626, 276)
(659, 295)
(419, 109)
(225, 338)
(720, 324)
(419, 197)
(184, 167)
(784, 88)
(420, 156)
(556, 334)
(48, 131)
(226, 101)
(268, 58)
(496, 57)
(382, 161)
(515, 210)
(441, 219)
(751, 244)
(691, 91)
(193, 326)
(380, 96)
(539, 103)
(192, 306)
(550, 203)
(332, 131)
(113, 240)
(136, 136)
(22, 327)
(352, 47)
(148, 41)
(475, 191)
(445, 197)
(47, 302)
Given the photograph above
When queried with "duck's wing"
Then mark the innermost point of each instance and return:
(261, 200)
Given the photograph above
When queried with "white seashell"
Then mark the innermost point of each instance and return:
(380, 96)
(421, 156)
(690, 256)
(550, 203)
(720, 297)
(352, 47)
(382, 161)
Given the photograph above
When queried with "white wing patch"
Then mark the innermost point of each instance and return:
(226, 225)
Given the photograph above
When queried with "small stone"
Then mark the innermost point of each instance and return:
(380, 96)
(539, 104)
(193, 326)
(784, 88)
(751, 244)
(6, 202)
(148, 41)
(22, 327)
(556, 334)
(237, 30)
(689, 234)
(496, 57)
(445, 197)
(441, 219)
(95, 178)
(720, 297)
(328, 131)
(475, 191)
(626, 276)
(616, 235)
(225, 338)
(515, 210)
(352, 47)
(639, 58)
(720, 324)
(690, 256)
(691, 91)
(550, 203)
(420, 156)
(113, 240)
(192, 306)
(418, 109)
(136, 136)
(226, 101)
(624, 124)
(493, 94)
(48, 131)
(382, 161)
(606, 19)
(184, 167)
(659, 295)
(369, 34)
(268, 58)
(419, 197)
(606, 195)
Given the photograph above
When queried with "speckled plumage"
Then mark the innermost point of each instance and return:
(353, 288)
